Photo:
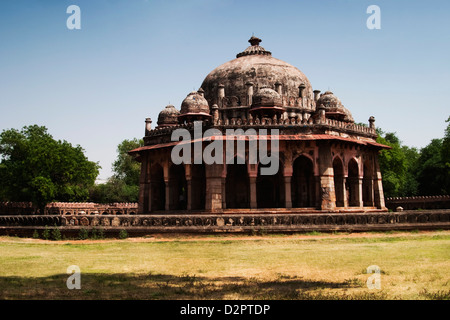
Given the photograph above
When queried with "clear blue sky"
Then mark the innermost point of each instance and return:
(95, 86)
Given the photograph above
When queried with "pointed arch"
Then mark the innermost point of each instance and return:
(237, 185)
(198, 186)
(302, 183)
(177, 187)
(269, 190)
(367, 186)
(353, 183)
(157, 187)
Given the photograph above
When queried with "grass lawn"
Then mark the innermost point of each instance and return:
(317, 266)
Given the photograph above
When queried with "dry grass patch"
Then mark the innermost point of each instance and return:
(413, 266)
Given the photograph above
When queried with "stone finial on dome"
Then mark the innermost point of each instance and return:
(254, 48)
(254, 41)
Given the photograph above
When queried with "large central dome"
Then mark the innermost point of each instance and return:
(255, 66)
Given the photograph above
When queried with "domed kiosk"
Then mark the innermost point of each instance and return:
(325, 161)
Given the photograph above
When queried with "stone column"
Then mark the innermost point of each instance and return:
(287, 192)
(253, 199)
(224, 192)
(327, 194)
(345, 193)
(359, 202)
(143, 186)
(189, 193)
(214, 187)
(378, 187)
(316, 191)
(168, 196)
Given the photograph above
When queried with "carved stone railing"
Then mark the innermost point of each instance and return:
(279, 123)
(64, 208)
(198, 223)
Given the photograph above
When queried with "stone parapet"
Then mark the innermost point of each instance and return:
(419, 202)
(64, 208)
(216, 223)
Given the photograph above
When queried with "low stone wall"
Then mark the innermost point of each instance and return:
(68, 208)
(209, 223)
(414, 203)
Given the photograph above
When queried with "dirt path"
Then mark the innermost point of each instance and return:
(230, 237)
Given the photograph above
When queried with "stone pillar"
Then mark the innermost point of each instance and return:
(221, 95)
(249, 86)
(148, 126)
(287, 192)
(168, 197)
(224, 192)
(359, 202)
(378, 187)
(143, 186)
(345, 193)
(316, 95)
(253, 199)
(189, 193)
(316, 191)
(327, 194)
(214, 187)
(278, 88)
(301, 89)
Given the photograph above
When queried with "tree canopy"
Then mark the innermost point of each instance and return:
(123, 186)
(35, 167)
(125, 167)
(407, 171)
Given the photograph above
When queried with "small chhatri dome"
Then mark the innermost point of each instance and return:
(334, 109)
(255, 48)
(168, 116)
(266, 97)
(194, 104)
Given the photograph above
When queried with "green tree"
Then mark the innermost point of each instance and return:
(125, 167)
(432, 172)
(114, 190)
(445, 155)
(123, 186)
(397, 166)
(35, 167)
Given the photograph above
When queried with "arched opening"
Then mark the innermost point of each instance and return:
(302, 183)
(270, 188)
(338, 172)
(177, 187)
(368, 185)
(353, 184)
(158, 187)
(237, 186)
(198, 187)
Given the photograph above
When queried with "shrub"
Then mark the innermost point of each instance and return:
(56, 233)
(83, 234)
(123, 234)
(35, 234)
(46, 233)
(101, 234)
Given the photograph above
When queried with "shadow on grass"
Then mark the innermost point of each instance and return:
(169, 287)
